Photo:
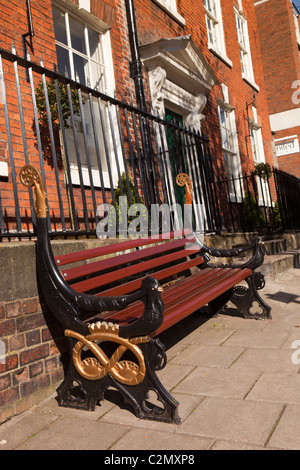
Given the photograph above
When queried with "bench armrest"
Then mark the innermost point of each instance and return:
(256, 246)
(65, 303)
(149, 294)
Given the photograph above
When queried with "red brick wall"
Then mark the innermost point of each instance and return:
(153, 23)
(289, 163)
(276, 30)
(15, 24)
(281, 62)
(32, 366)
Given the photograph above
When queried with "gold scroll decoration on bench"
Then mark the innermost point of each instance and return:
(29, 177)
(95, 368)
(183, 180)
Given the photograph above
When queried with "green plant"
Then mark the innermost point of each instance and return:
(52, 97)
(277, 215)
(132, 202)
(55, 120)
(252, 216)
(124, 192)
(263, 170)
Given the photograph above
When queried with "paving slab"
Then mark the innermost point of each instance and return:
(78, 434)
(215, 382)
(258, 339)
(237, 382)
(233, 420)
(158, 440)
(287, 433)
(18, 430)
(209, 356)
(266, 360)
(276, 388)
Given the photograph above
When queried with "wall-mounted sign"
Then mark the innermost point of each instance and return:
(286, 146)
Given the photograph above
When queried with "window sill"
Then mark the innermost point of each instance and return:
(235, 198)
(174, 14)
(252, 84)
(221, 56)
(86, 178)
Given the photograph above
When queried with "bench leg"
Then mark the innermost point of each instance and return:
(78, 392)
(248, 301)
(165, 407)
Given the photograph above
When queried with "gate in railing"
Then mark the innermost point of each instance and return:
(91, 149)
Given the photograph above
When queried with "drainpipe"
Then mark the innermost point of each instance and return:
(137, 75)
(136, 64)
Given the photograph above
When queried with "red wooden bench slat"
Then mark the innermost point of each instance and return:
(70, 258)
(184, 288)
(177, 309)
(87, 269)
(172, 294)
(131, 286)
(189, 305)
(122, 273)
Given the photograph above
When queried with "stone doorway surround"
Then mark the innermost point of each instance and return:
(179, 77)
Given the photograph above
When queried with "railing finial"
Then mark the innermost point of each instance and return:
(184, 180)
(29, 177)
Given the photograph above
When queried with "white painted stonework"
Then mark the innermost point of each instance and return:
(179, 77)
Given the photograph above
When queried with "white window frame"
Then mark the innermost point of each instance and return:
(72, 51)
(170, 6)
(256, 140)
(258, 157)
(83, 16)
(244, 47)
(215, 29)
(297, 26)
(231, 151)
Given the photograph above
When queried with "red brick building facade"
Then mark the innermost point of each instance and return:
(279, 37)
(201, 64)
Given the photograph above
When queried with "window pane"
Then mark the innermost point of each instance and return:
(77, 36)
(211, 6)
(97, 77)
(59, 26)
(211, 31)
(98, 127)
(81, 70)
(239, 28)
(222, 117)
(63, 61)
(94, 46)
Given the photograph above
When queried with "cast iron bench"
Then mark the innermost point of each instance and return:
(112, 309)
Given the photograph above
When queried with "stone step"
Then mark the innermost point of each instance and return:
(276, 246)
(275, 265)
(282, 252)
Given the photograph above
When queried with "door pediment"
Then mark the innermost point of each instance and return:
(183, 62)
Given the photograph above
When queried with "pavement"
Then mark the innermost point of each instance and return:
(237, 382)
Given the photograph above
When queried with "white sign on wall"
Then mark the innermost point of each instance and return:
(287, 146)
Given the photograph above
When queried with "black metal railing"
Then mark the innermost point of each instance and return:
(261, 203)
(93, 149)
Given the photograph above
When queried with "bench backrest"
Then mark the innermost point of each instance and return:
(129, 262)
